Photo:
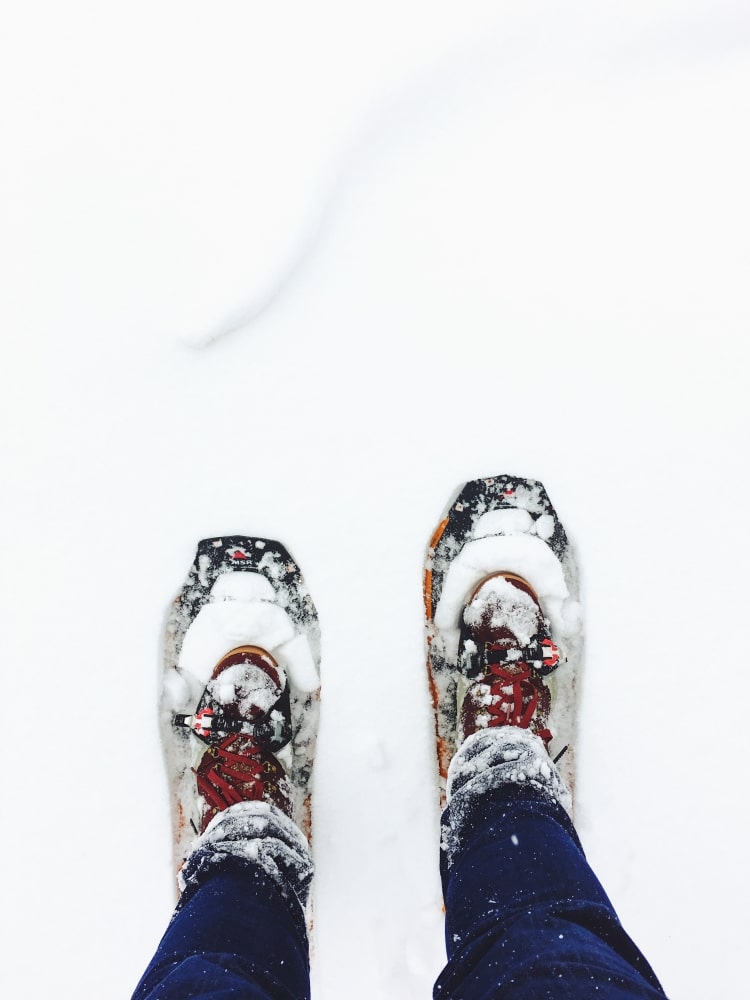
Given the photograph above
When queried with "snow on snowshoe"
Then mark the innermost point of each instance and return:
(503, 619)
(241, 687)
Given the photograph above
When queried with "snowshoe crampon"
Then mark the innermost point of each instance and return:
(245, 595)
(503, 526)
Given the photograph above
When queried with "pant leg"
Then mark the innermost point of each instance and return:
(239, 928)
(526, 918)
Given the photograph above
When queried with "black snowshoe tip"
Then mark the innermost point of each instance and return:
(243, 553)
(475, 498)
(249, 554)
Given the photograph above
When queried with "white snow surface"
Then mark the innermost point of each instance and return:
(437, 242)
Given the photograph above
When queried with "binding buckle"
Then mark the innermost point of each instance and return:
(541, 654)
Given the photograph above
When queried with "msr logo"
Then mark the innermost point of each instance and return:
(238, 556)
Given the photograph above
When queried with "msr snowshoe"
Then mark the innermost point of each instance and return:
(503, 620)
(240, 700)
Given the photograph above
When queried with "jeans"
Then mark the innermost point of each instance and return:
(236, 936)
(525, 915)
(525, 918)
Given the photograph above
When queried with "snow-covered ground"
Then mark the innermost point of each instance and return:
(436, 241)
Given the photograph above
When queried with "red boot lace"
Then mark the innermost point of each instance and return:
(233, 777)
(514, 697)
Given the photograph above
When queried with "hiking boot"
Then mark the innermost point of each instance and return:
(505, 650)
(243, 717)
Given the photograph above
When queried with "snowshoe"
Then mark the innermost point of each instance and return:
(503, 619)
(241, 689)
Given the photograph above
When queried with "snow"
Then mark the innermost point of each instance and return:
(245, 586)
(241, 615)
(223, 626)
(249, 686)
(505, 607)
(508, 522)
(437, 242)
(300, 663)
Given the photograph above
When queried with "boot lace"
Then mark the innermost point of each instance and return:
(231, 773)
(514, 697)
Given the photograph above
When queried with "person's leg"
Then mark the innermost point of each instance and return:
(239, 928)
(525, 915)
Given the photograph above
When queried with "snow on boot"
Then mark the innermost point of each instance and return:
(241, 691)
(503, 621)
(504, 645)
(242, 718)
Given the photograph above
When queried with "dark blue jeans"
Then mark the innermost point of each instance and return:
(236, 935)
(526, 919)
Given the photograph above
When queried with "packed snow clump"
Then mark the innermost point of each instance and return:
(502, 605)
(242, 611)
(247, 686)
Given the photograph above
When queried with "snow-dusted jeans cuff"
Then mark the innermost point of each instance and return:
(253, 835)
(491, 758)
